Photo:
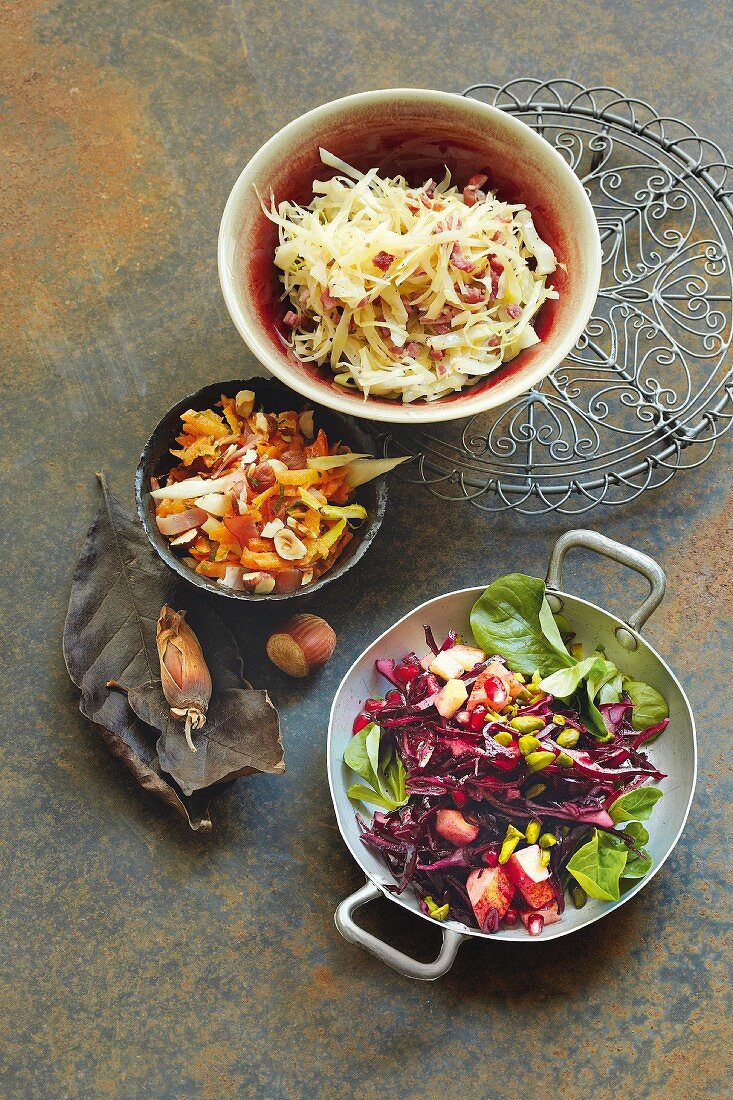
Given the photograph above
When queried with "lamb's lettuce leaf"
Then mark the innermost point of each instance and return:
(599, 865)
(649, 706)
(512, 617)
(382, 770)
(635, 805)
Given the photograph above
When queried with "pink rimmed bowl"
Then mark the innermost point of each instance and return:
(414, 132)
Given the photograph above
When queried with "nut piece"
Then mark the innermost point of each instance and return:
(244, 403)
(260, 583)
(288, 545)
(301, 645)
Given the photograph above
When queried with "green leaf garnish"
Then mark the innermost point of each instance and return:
(635, 805)
(649, 706)
(381, 769)
(512, 617)
(599, 865)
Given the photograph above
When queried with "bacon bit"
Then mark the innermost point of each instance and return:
(328, 301)
(471, 192)
(412, 350)
(383, 260)
(291, 319)
(477, 181)
(444, 318)
(437, 354)
(412, 204)
(493, 342)
(472, 295)
(439, 328)
(473, 195)
(514, 311)
(429, 188)
(459, 260)
(449, 223)
(496, 270)
(304, 298)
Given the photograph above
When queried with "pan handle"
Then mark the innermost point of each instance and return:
(625, 555)
(403, 964)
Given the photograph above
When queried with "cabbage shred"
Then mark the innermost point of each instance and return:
(409, 292)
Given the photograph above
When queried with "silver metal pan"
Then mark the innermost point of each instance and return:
(675, 753)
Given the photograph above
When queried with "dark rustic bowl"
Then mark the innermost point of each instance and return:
(274, 397)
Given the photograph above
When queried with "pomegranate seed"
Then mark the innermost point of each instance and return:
(511, 917)
(373, 705)
(491, 859)
(478, 718)
(432, 684)
(405, 673)
(496, 692)
(535, 924)
(393, 698)
(361, 721)
(460, 798)
(463, 718)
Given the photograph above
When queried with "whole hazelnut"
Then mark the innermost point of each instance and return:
(301, 645)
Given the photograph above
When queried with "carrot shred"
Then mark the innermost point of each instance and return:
(212, 568)
(318, 448)
(269, 562)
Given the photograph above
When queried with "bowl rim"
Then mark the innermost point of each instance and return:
(204, 584)
(440, 411)
(508, 935)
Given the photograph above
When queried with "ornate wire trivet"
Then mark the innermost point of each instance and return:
(648, 389)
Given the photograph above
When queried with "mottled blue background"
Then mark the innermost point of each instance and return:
(138, 959)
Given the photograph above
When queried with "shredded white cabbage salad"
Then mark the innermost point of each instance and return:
(409, 292)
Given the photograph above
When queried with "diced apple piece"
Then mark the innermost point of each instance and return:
(489, 888)
(549, 915)
(488, 691)
(453, 827)
(451, 698)
(525, 867)
(446, 666)
(539, 895)
(469, 656)
(513, 685)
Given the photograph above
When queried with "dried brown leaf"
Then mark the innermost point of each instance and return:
(241, 736)
(118, 588)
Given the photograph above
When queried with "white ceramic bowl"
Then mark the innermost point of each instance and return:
(415, 132)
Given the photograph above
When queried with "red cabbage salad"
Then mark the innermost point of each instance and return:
(508, 772)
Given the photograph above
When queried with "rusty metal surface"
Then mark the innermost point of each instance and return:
(139, 960)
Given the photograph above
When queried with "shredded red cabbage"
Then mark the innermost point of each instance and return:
(453, 765)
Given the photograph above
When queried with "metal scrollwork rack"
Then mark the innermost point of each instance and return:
(648, 389)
